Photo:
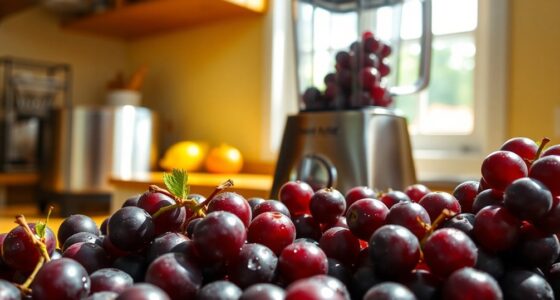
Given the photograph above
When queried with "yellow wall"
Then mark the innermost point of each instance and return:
(207, 82)
(534, 82)
(36, 34)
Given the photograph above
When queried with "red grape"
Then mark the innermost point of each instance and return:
(307, 227)
(394, 251)
(61, 279)
(296, 195)
(468, 283)
(300, 260)
(496, 229)
(339, 243)
(19, 251)
(110, 279)
(143, 291)
(319, 287)
(365, 216)
(501, 168)
(233, 203)
(526, 148)
(389, 290)
(271, 205)
(357, 193)
(176, 274)
(272, 229)
(416, 191)
(465, 194)
(327, 205)
(411, 216)
(547, 171)
(91, 256)
(449, 249)
(436, 202)
(219, 236)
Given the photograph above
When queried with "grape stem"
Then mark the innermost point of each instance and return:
(446, 213)
(156, 189)
(544, 141)
(226, 184)
(25, 286)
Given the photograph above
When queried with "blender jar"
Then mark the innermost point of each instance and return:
(347, 52)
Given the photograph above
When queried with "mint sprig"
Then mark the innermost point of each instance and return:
(176, 183)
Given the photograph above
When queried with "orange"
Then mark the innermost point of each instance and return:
(224, 159)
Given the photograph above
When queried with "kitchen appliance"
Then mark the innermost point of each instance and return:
(89, 144)
(350, 141)
(29, 90)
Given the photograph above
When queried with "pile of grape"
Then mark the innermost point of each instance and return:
(358, 81)
(494, 238)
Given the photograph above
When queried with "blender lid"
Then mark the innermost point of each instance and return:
(351, 5)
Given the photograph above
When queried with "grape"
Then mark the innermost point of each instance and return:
(423, 284)
(527, 199)
(552, 150)
(389, 290)
(339, 222)
(296, 195)
(233, 203)
(339, 271)
(86, 237)
(165, 243)
(110, 279)
(130, 228)
(19, 252)
(487, 197)
(132, 201)
(501, 168)
(113, 251)
(190, 227)
(272, 206)
(253, 202)
(91, 256)
(219, 290)
(523, 285)
(463, 222)
(263, 291)
(394, 251)
(61, 279)
(307, 227)
(219, 236)
(553, 278)
(416, 191)
(8, 291)
(300, 260)
(342, 59)
(362, 280)
(522, 146)
(272, 229)
(143, 291)
(102, 296)
(468, 283)
(254, 264)
(133, 265)
(170, 220)
(393, 197)
(411, 216)
(436, 202)
(103, 226)
(550, 222)
(318, 287)
(465, 193)
(327, 205)
(339, 243)
(74, 224)
(547, 171)
(496, 229)
(365, 216)
(174, 273)
(537, 249)
(447, 250)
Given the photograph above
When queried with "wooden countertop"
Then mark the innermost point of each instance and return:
(20, 178)
(250, 185)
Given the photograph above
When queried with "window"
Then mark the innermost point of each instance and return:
(459, 118)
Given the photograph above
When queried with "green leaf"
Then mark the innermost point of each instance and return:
(176, 183)
(40, 229)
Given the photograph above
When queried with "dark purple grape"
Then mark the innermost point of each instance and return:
(527, 199)
(165, 243)
(343, 59)
(61, 279)
(436, 202)
(191, 226)
(468, 283)
(74, 224)
(254, 264)
(143, 291)
(233, 203)
(307, 227)
(423, 284)
(176, 274)
(272, 229)
(171, 220)
(300, 260)
(339, 271)
(318, 287)
(130, 228)
(272, 206)
(394, 251)
(313, 99)
(327, 205)
(553, 278)
(537, 249)
(19, 251)
(133, 265)
(362, 280)
(551, 221)
(389, 291)
(339, 243)
(253, 202)
(263, 291)
(103, 226)
(465, 194)
(410, 215)
(447, 250)
(525, 285)
(393, 197)
(463, 222)
(132, 201)
(496, 229)
(85, 237)
(219, 290)
(486, 198)
(91, 256)
(110, 279)
(365, 216)
(489, 263)
(219, 236)
(8, 291)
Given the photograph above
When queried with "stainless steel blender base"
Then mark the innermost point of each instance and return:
(366, 147)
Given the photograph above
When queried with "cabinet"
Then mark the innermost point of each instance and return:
(149, 17)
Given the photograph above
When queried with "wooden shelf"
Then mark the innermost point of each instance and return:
(145, 18)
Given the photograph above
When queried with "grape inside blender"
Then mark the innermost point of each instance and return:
(346, 132)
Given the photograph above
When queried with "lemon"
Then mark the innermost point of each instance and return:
(187, 155)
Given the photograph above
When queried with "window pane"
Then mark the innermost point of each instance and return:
(451, 16)
(447, 106)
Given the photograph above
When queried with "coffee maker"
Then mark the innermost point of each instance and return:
(29, 91)
(346, 134)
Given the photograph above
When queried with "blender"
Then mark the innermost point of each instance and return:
(346, 134)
